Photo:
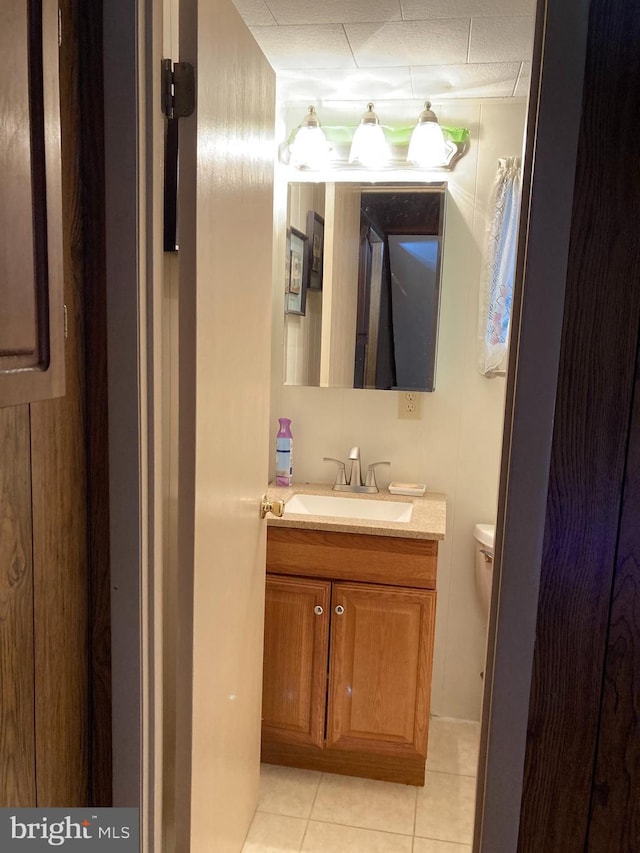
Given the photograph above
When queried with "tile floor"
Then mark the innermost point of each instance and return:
(302, 810)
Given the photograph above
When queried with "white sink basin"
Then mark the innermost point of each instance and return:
(339, 507)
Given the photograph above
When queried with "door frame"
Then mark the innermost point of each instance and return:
(129, 27)
(550, 156)
(124, 285)
(132, 45)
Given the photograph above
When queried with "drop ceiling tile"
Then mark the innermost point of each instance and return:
(412, 43)
(480, 80)
(334, 11)
(524, 81)
(413, 10)
(254, 12)
(357, 84)
(501, 39)
(323, 46)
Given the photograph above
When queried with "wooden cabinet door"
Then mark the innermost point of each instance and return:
(31, 280)
(380, 671)
(295, 660)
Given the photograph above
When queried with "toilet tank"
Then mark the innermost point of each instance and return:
(484, 535)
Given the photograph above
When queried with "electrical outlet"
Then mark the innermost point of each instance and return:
(410, 405)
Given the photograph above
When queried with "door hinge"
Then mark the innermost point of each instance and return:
(59, 27)
(178, 89)
(66, 323)
(178, 101)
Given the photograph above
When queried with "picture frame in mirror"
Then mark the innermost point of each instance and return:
(296, 289)
(315, 250)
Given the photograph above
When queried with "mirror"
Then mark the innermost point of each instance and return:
(364, 262)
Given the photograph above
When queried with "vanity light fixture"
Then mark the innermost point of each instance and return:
(369, 146)
(309, 149)
(427, 147)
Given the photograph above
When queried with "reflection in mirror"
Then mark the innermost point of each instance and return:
(372, 321)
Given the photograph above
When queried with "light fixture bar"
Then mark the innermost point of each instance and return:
(425, 145)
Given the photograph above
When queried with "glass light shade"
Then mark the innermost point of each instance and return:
(427, 146)
(369, 146)
(309, 149)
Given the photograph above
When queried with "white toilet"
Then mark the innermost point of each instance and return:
(484, 535)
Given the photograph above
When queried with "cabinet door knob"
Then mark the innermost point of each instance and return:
(318, 610)
(339, 609)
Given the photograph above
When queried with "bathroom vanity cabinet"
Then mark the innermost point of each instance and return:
(349, 625)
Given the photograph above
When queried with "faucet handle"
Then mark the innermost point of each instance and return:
(341, 475)
(354, 453)
(371, 473)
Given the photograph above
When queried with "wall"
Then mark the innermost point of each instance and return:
(455, 448)
(302, 334)
(341, 290)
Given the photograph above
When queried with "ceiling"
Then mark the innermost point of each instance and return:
(345, 50)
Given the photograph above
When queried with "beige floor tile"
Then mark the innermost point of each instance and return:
(428, 845)
(365, 803)
(270, 833)
(445, 808)
(453, 746)
(287, 790)
(333, 838)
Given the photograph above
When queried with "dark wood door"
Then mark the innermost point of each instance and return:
(582, 766)
(17, 736)
(54, 640)
(380, 670)
(615, 806)
(296, 651)
(31, 297)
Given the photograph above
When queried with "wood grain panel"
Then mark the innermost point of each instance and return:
(615, 811)
(31, 299)
(296, 652)
(353, 556)
(20, 291)
(17, 743)
(380, 671)
(88, 44)
(602, 316)
(61, 584)
(405, 769)
(59, 498)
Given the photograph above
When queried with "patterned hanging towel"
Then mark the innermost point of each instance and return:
(496, 288)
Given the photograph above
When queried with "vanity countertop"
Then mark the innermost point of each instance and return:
(428, 519)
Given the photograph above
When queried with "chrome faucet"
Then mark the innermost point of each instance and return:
(355, 477)
(354, 482)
